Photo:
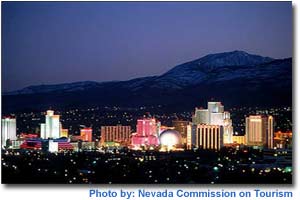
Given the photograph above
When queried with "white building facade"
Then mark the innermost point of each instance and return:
(8, 130)
(51, 129)
(215, 115)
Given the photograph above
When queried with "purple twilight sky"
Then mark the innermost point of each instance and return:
(59, 42)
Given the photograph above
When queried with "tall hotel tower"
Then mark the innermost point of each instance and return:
(8, 130)
(120, 134)
(51, 129)
(146, 133)
(213, 126)
(260, 131)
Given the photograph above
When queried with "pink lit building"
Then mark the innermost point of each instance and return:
(146, 133)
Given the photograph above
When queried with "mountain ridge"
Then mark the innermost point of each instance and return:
(176, 72)
(230, 79)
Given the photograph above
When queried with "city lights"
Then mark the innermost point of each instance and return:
(209, 144)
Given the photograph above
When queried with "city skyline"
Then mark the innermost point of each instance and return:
(119, 92)
(93, 46)
(214, 121)
(202, 148)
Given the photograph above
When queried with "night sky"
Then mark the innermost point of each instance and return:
(59, 42)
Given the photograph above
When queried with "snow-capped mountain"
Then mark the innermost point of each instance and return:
(221, 75)
(202, 69)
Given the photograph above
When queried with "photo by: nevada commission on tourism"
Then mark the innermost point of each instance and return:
(142, 193)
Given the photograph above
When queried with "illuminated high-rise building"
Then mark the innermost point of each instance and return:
(215, 115)
(209, 136)
(270, 133)
(216, 118)
(228, 129)
(51, 129)
(146, 127)
(255, 130)
(43, 130)
(201, 116)
(191, 136)
(119, 134)
(8, 130)
(259, 131)
(146, 133)
(181, 127)
(214, 107)
(86, 134)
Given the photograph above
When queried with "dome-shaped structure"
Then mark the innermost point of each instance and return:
(170, 138)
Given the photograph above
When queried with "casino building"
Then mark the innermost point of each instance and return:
(260, 131)
(146, 135)
(209, 136)
(51, 128)
(8, 130)
(116, 134)
(211, 128)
